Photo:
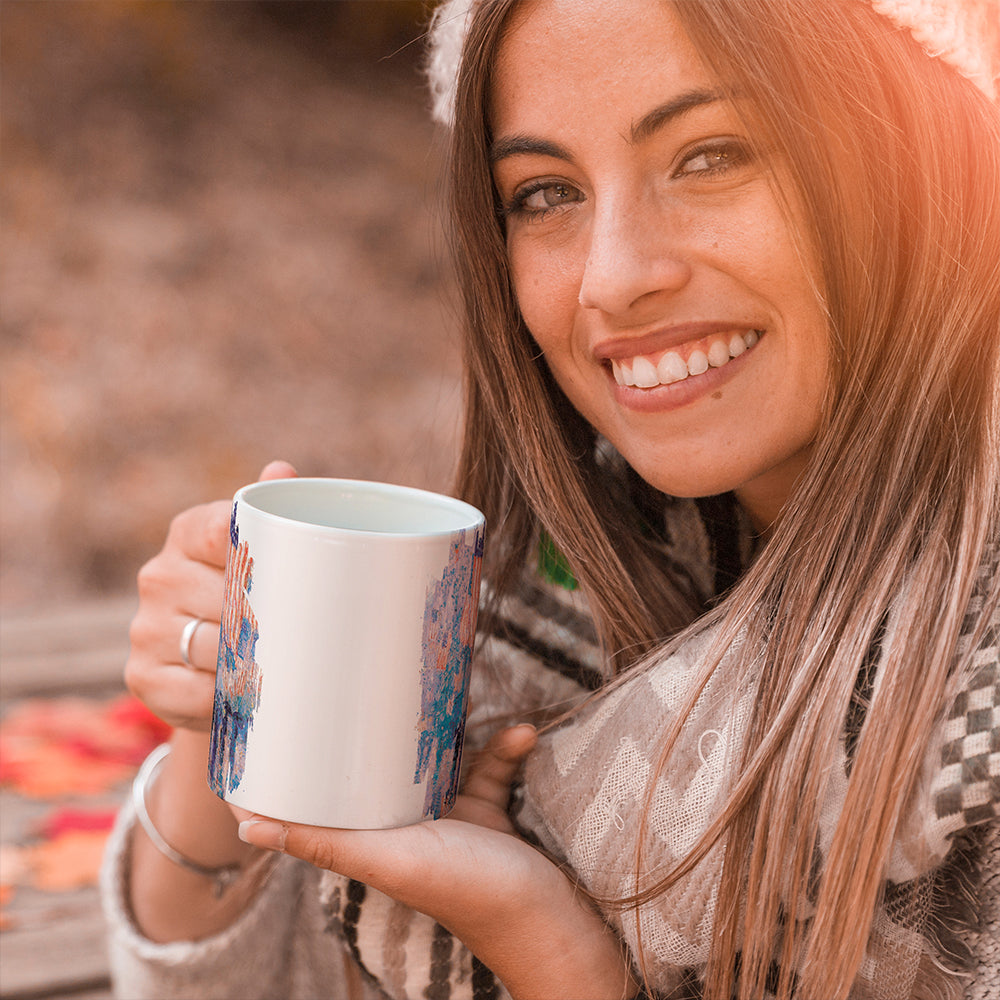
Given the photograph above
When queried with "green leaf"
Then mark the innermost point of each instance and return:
(552, 564)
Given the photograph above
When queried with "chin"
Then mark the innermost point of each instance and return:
(688, 486)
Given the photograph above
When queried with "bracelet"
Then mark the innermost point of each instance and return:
(223, 876)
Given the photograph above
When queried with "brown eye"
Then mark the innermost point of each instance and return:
(707, 161)
(546, 196)
(714, 158)
(557, 194)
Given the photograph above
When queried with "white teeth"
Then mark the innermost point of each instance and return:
(644, 373)
(698, 363)
(671, 368)
(718, 353)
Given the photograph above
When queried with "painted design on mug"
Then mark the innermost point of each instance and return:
(447, 650)
(238, 680)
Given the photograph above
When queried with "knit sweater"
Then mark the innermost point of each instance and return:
(310, 934)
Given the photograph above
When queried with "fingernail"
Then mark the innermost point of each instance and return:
(263, 833)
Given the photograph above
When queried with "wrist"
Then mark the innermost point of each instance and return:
(186, 880)
(187, 813)
(560, 947)
(222, 876)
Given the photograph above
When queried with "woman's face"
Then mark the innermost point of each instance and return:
(651, 260)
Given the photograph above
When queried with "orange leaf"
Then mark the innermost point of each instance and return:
(59, 746)
(71, 861)
(48, 771)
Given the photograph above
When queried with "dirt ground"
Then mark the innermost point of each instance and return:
(219, 246)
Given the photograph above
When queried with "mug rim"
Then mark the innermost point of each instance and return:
(474, 518)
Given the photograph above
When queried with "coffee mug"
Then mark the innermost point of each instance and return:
(344, 652)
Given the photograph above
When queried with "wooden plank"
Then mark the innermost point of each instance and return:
(69, 649)
(57, 947)
(100, 991)
(55, 944)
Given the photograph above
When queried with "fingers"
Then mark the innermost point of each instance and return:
(347, 852)
(277, 470)
(461, 874)
(174, 582)
(181, 697)
(201, 534)
(180, 694)
(184, 582)
(513, 744)
(203, 647)
(418, 865)
(494, 768)
(173, 590)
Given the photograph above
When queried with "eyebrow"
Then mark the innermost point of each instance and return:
(643, 129)
(514, 145)
(675, 108)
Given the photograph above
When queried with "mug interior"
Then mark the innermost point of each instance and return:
(357, 505)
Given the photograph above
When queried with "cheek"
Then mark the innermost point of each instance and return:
(818, 386)
(547, 287)
(801, 395)
(788, 278)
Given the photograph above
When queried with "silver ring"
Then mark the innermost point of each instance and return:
(186, 636)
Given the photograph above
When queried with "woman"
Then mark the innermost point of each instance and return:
(746, 252)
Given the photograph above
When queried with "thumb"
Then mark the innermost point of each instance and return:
(277, 470)
(495, 767)
(514, 743)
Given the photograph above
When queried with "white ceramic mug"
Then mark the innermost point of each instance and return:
(344, 652)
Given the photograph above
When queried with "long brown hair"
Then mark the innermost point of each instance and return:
(897, 160)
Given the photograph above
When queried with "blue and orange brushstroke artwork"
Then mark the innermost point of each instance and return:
(238, 676)
(448, 639)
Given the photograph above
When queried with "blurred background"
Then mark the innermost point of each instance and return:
(220, 245)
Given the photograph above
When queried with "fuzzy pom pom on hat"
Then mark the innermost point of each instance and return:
(963, 33)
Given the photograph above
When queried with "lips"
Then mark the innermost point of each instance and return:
(648, 370)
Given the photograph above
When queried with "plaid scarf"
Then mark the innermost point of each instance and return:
(585, 785)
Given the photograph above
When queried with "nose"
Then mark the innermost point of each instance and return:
(635, 252)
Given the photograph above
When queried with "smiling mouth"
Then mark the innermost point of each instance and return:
(650, 371)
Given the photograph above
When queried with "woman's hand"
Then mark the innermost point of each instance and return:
(511, 906)
(182, 583)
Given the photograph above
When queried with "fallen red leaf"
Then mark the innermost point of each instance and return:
(129, 714)
(46, 771)
(70, 861)
(65, 819)
(63, 746)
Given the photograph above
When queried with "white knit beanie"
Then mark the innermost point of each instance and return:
(963, 33)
